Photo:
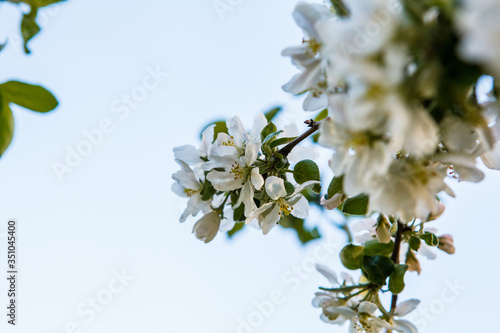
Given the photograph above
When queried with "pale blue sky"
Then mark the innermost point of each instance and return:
(115, 210)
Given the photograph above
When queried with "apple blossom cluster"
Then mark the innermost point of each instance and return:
(237, 176)
(396, 87)
(394, 138)
(398, 82)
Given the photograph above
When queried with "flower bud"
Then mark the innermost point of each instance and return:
(446, 244)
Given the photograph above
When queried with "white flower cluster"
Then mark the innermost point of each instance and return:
(231, 174)
(348, 301)
(388, 140)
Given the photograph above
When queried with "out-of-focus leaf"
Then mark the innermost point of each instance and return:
(352, 256)
(377, 268)
(237, 228)
(6, 125)
(357, 205)
(272, 113)
(305, 235)
(220, 127)
(29, 27)
(307, 170)
(29, 96)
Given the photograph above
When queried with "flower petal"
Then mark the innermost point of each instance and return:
(275, 187)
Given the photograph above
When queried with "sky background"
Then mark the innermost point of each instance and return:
(114, 213)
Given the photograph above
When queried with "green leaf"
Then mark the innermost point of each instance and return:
(2, 46)
(281, 141)
(6, 126)
(322, 115)
(272, 113)
(271, 137)
(305, 235)
(307, 170)
(414, 243)
(357, 205)
(208, 191)
(430, 239)
(396, 280)
(237, 228)
(29, 96)
(43, 3)
(377, 268)
(29, 27)
(336, 186)
(373, 247)
(352, 256)
(269, 129)
(220, 127)
(239, 213)
(289, 188)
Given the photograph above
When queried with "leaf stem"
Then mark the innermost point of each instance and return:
(349, 288)
(314, 126)
(395, 258)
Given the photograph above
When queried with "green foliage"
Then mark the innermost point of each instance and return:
(322, 115)
(352, 256)
(414, 243)
(6, 125)
(430, 239)
(237, 228)
(357, 205)
(268, 130)
(305, 235)
(239, 213)
(281, 141)
(374, 247)
(335, 186)
(220, 127)
(272, 113)
(29, 96)
(208, 191)
(396, 280)
(377, 268)
(29, 27)
(307, 170)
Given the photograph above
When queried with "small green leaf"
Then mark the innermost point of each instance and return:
(29, 27)
(357, 205)
(336, 186)
(208, 191)
(352, 256)
(430, 239)
(271, 137)
(239, 213)
(272, 113)
(2, 46)
(281, 141)
(322, 115)
(305, 235)
(396, 280)
(377, 268)
(289, 188)
(414, 243)
(237, 228)
(220, 127)
(6, 126)
(29, 96)
(374, 247)
(269, 129)
(307, 170)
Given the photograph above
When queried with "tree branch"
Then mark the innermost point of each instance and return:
(314, 126)
(395, 258)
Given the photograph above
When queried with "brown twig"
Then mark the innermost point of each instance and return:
(314, 126)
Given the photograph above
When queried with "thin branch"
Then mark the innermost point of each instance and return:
(314, 126)
(395, 258)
